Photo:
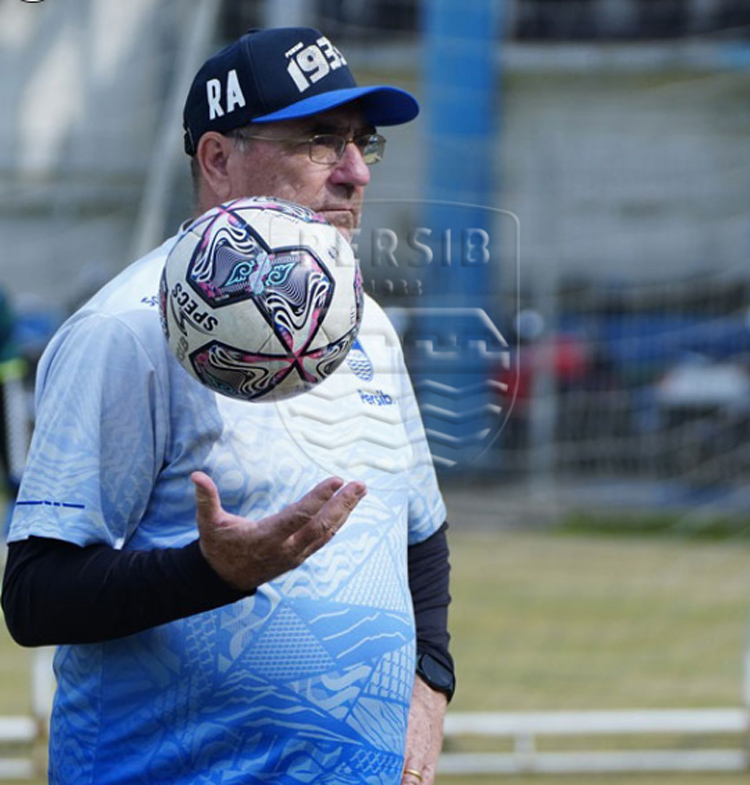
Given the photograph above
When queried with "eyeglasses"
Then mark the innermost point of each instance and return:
(328, 149)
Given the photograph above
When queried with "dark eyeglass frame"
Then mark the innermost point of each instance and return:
(327, 149)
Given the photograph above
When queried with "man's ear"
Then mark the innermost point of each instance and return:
(212, 155)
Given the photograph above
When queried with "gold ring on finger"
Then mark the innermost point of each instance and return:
(414, 773)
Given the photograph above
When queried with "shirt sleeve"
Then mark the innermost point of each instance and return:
(426, 506)
(99, 436)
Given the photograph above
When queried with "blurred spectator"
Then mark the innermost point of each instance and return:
(565, 357)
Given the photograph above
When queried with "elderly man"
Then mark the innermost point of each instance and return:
(265, 622)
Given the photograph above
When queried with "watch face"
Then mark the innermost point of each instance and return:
(436, 674)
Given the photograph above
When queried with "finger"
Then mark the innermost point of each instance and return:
(297, 515)
(334, 513)
(207, 499)
(412, 776)
(428, 773)
(331, 517)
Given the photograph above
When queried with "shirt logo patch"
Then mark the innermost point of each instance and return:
(376, 398)
(359, 362)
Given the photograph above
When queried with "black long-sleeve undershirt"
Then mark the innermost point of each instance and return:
(55, 592)
(429, 583)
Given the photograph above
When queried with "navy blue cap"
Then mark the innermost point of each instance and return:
(281, 74)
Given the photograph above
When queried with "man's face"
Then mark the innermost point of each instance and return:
(283, 169)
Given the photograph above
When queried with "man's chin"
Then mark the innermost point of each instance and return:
(344, 221)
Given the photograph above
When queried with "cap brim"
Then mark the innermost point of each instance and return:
(383, 105)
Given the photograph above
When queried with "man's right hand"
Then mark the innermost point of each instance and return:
(249, 553)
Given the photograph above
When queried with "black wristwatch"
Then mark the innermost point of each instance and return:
(436, 675)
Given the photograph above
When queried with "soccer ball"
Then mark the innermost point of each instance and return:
(260, 299)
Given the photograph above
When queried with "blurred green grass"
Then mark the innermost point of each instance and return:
(545, 622)
(549, 622)
(694, 525)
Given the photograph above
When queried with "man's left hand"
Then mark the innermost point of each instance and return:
(424, 734)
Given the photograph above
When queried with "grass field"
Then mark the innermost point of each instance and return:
(546, 622)
(543, 622)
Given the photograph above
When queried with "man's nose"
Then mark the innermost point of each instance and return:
(351, 169)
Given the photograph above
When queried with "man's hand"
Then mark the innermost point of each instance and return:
(249, 553)
(424, 734)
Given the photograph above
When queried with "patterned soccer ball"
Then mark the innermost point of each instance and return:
(260, 299)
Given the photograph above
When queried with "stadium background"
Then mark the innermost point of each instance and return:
(601, 539)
